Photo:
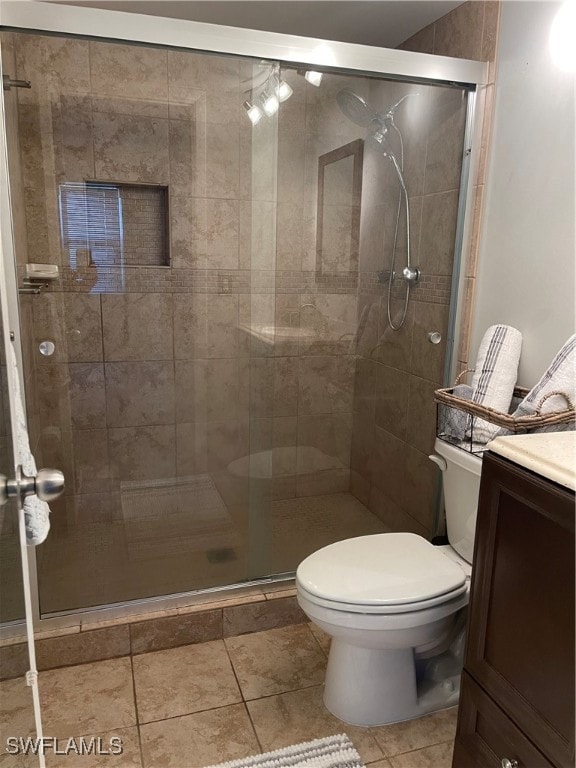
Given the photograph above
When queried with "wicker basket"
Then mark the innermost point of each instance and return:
(449, 404)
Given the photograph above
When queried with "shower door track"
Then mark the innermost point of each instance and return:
(91, 23)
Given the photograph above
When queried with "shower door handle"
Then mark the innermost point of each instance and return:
(48, 484)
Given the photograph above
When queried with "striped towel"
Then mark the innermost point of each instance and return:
(560, 376)
(495, 376)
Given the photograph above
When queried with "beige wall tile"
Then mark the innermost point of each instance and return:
(212, 80)
(289, 241)
(324, 442)
(392, 390)
(256, 617)
(209, 390)
(131, 149)
(142, 453)
(137, 326)
(290, 166)
(191, 449)
(392, 515)
(87, 395)
(459, 33)
(129, 71)
(55, 64)
(72, 322)
(421, 415)
(439, 214)
(428, 359)
(14, 662)
(445, 142)
(388, 464)
(169, 632)
(82, 647)
(325, 384)
(222, 162)
(154, 402)
(258, 227)
(90, 455)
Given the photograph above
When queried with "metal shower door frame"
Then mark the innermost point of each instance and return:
(117, 26)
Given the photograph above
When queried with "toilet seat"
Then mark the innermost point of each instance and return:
(382, 573)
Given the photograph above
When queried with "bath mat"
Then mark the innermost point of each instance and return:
(330, 752)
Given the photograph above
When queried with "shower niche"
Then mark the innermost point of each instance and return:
(109, 224)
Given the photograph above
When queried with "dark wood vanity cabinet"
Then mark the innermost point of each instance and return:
(517, 695)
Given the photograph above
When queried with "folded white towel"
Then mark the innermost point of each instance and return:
(36, 512)
(495, 376)
(560, 376)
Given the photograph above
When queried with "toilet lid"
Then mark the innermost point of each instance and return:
(382, 569)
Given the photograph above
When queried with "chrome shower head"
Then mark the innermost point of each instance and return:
(355, 107)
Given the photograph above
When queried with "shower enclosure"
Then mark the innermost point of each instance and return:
(232, 366)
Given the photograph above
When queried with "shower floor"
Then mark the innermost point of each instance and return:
(173, 551)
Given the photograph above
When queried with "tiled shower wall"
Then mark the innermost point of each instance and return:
(398, 371)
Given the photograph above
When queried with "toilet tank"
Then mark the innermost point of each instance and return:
(461, 484)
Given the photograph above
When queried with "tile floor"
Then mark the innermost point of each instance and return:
(196, 705)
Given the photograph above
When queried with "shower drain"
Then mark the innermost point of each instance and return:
(224, 555)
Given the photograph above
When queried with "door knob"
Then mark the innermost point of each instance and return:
(506, 763)
(48, 484)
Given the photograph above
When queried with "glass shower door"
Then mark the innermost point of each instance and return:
(138, 174)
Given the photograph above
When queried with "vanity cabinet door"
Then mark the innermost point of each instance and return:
(487, 738)
(520, 645)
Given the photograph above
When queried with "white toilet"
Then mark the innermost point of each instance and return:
(392, 604)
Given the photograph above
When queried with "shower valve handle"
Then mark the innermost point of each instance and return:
(48, 484)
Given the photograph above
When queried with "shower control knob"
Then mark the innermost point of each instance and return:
(434, 337)
(506, 763)
(411, 274)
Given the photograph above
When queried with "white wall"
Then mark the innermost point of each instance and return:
(526, 272)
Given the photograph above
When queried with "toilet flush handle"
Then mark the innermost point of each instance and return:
(439, 460)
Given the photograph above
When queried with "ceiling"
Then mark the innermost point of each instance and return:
(385, 23)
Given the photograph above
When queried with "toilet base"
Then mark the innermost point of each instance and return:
(370, 687)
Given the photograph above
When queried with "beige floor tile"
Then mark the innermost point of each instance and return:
(438, 756)
(323, 639)
(183, 680)
(89, 698)
(276, 661)
(129, 757)
(201, 739)
(16, 709)
(381, 764)
(16, 720)
(299, 716)
(416, 734)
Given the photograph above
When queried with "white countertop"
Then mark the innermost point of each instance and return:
(551, 454)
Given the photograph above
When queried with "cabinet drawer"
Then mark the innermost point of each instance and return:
(486, 736)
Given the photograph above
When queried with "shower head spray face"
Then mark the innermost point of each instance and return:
(355, 107)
